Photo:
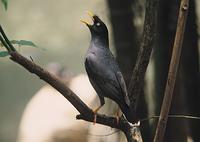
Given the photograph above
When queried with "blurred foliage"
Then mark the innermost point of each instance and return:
(4, 53)
(23, 42)
(18, 42)
(5, 3)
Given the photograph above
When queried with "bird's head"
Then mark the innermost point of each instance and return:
(98, 28)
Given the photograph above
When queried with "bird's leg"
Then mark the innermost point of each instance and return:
(102, 102)
(95, 114)
(117, 115)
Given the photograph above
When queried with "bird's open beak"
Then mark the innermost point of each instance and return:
(91, 16)
(85, 22)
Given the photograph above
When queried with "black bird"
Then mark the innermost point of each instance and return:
(102, 69)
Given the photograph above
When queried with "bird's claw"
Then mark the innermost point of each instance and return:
(95, 119)
(117, 118)
(95, 114)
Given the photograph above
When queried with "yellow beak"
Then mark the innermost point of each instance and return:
(85, 22)
(91, 16)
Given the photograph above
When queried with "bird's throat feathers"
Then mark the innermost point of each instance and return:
(100, 41)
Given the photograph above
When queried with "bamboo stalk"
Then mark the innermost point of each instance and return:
(183, 11)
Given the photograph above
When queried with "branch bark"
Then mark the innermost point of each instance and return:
(148, 42)
(86, 113)
(172, 71)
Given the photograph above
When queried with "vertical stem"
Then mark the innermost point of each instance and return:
(148, 42)
(172, 71)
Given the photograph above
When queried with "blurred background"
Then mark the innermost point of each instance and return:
(52, 25)
(55, 27)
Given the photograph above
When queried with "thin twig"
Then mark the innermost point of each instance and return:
(11, 47)
(172, 71)
(93, 134)
(172, 116)
(142, 120)
(4, 43)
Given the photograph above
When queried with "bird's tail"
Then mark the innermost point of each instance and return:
(129, 114)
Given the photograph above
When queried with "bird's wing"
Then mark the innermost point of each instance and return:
(91, 75)
(122, 85)
(110, 78)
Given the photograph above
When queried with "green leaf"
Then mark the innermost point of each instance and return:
(23, 42)
(4, 53)
(5, 3)
(26, 43)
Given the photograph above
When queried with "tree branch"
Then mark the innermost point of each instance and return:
(172, 71)
(85, 112)
(148, 42)
(53, 81)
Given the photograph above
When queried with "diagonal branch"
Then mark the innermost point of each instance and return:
(176, 53)
(85, 112)
(53, 81)
(148, 42)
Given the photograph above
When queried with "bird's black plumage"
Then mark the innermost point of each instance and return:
(102, 69)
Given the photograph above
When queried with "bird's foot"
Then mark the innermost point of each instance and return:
(95, 114)
(95, 119)
(117, 117)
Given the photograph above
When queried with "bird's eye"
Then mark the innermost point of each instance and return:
(98, 24)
